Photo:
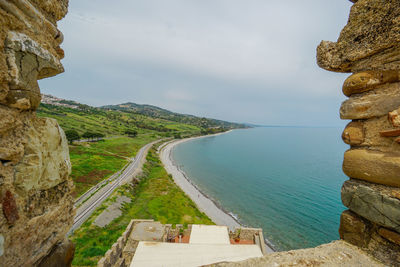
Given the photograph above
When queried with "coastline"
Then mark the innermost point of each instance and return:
(205, 204)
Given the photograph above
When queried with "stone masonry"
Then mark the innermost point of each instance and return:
(369, 48)
(35, 190)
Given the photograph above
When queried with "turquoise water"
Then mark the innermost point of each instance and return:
(285, 180)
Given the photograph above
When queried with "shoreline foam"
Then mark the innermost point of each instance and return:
(205, 203)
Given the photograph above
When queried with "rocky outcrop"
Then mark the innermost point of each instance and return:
(369, 47)
(369, 41)
(338, 253)
(35, 190)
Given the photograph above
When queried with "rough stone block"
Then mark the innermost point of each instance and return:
(390, 235)
(373, 166)
(116, 249)
(353, 134)
(371, 134)
(362, 233)
(374, 103)
(104, 262)
(354, 229)
(369, 41)
(124, 237)
(390, 133)
(121, 244)
(121, 263)
(55, 9)
(373, 202)
(28, 61)
(334, 254)
(368, 80)
(46, 161)
(384, 250)
(113, 255)
(60, 256)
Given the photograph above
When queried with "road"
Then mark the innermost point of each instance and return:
(92, 199)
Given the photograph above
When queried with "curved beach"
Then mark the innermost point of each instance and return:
(204, 204)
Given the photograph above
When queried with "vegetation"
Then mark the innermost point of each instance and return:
(72, 136)
(93, 162)
(128, 119)
(140, 124)
(156, 112)
(131, 133)
(155, 197)
(120, 131)
(93, 136)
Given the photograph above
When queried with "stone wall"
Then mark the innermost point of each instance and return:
(250, 234)
(121, 252)
(35, 199)
(369, 48)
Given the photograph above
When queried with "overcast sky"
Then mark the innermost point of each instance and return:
(245, 61)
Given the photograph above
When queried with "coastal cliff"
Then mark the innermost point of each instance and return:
(35, 189)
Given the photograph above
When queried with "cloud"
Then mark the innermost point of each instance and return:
(228, 59)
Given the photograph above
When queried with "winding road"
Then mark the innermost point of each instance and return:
(93, 198)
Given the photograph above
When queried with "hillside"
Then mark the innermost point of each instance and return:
(116, 119)
(160, 113)
(95, 161)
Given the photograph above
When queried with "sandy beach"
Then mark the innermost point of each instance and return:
(216, 214)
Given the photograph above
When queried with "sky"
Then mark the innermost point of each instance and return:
(243, 61)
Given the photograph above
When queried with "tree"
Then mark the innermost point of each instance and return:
(177, 136)
(131, 133)
(98, 136)
(72, 135)
(87, 135)
(92, 135)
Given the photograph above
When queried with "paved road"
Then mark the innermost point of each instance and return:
(109, 185)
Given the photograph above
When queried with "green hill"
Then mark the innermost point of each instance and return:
(156, 112)
(95, 161)
(117, 119)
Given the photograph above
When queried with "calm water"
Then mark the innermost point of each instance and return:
(285, 180)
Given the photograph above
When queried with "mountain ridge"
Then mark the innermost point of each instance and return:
(117, 119)
(157, 112)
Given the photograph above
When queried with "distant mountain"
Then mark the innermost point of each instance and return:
(160, 113)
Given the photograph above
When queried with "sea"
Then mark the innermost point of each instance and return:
(286, 180)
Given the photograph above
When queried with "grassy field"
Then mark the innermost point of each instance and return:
(93, 162)
(155, 197)
(111, 122)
